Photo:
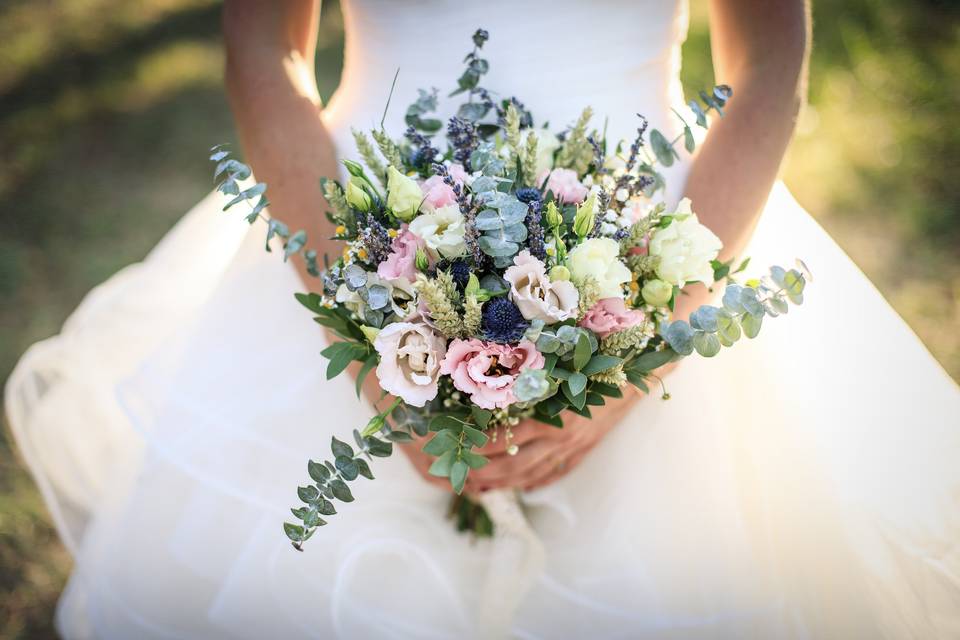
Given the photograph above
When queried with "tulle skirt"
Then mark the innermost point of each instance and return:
(803, 484)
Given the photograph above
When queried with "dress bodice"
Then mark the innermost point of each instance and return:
(621, 57)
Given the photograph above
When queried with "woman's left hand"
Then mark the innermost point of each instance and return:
(546, 453)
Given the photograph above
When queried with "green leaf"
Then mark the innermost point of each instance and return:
(607, 390)
(581, 353)
(340, 490)
(728, 328)
(341, 354)
(652, 360)
(441, 466)
(318, 472)
(662, 148)
(553, 421)
(294, 244)
(576, 400)
(311, 301)
(449, 423)
(751, 325)
(340, 448)
(364, 468)
(552, 406)
(458, 475)
(400, 437)
(595, 399)
(347, 467)
(706, 344)
(367, 367)
(308, 494)
(688, 141)
(577, 382)
(636, 379)
(473, 460)
(481, 416)
(600, 362)
(561, 374)
(441, 443)
(326, 508)
(477, 437)
(293, 531)
(378, 448)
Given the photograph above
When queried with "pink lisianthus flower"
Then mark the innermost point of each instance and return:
(437, 193)
(486, 371)
(401, 263)
(564, 185)
(610, 315)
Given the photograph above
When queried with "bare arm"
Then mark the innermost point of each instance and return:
(760, 48)
(273, 94)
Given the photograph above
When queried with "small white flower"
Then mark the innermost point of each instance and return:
(599, 258)
(610, 215)
(588, 181)
(442, 231)
(622, 194)
(608, 228)
(625, 221)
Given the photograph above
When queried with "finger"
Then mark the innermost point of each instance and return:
(558, 471)
(509, 470)
(522, 433)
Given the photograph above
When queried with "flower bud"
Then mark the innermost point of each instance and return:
(584, 220)
(353, 168)
(657, 292)
(403, 195)
(559, 273)
(356, 196)
(420, 260)
(552, 215)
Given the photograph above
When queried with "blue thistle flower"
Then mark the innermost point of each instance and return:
(527, 195)
(459, 271)
(502, 321)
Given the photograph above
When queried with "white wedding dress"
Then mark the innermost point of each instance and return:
(804, 484)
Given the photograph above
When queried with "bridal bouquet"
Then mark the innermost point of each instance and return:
(508, 273)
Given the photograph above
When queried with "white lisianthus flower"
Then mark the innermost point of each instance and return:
(536, 295)
(442, 231)
(403, 195)
(410, 356)
(685, 248)
(599, 258)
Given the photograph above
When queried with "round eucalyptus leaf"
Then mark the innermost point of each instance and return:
(355, 277)
(706, 344)
(704, 319)
(731, 298)
(378, 297)
(751, 325)
(679, 335)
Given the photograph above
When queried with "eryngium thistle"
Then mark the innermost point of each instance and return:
(502, 321)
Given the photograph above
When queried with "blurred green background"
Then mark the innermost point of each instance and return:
(107, 108)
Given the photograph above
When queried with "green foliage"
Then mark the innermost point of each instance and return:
(741, 314)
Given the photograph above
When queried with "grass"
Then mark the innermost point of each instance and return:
(107, 108)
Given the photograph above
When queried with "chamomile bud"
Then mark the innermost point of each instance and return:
(622, 194)
(610, 215)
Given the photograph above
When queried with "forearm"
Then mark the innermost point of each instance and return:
(760, 49)
(273, 96)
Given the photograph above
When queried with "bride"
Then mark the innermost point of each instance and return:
(805, 484)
